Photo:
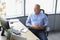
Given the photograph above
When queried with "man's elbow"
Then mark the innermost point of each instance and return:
(27, 24)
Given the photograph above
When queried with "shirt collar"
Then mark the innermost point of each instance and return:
(38, 14)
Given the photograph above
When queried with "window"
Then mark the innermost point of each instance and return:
(14, 8)
(58, 7)
(47, 5)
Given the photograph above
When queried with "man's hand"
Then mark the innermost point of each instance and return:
(37, 26)
(34, 26)
(42, 26)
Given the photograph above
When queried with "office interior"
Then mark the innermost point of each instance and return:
(19, 10)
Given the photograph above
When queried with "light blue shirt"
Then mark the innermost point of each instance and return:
(39, 19)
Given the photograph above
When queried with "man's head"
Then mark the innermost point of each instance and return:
(37, 8)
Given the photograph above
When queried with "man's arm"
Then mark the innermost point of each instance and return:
(28, 21)
(45, 22)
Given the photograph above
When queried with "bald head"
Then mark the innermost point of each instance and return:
(37, 5)
(37, 8)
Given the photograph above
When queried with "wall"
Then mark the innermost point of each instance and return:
(54, 22)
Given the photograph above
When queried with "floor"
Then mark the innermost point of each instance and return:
(2, 37)
(52, 36)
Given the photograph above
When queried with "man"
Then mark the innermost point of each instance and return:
(37, 23)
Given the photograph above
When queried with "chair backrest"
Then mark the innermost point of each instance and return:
(23, 19)
(42, 10)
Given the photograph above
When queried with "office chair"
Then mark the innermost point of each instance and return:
(44, 12)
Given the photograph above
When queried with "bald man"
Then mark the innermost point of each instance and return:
(37, 23)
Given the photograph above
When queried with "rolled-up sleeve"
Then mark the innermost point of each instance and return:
(28, 21)
(45, 21)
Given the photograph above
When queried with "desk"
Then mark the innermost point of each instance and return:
(28, 35)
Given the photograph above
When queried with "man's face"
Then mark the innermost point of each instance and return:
(36, 9)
